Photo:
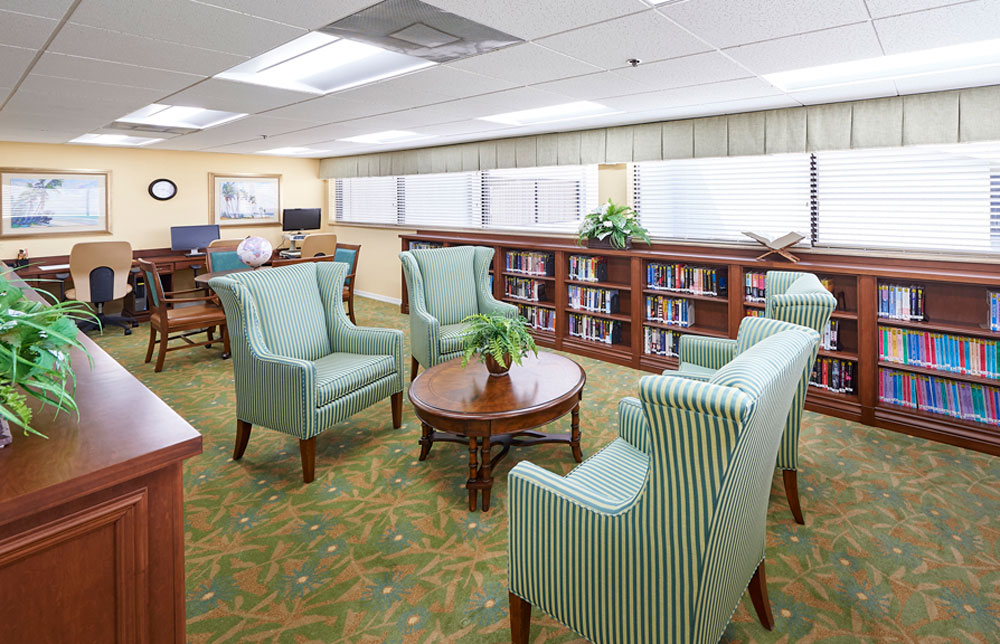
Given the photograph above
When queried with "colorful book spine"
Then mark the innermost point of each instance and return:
(660, 342)
(965, 400)
(834, 374)
(595, 329)
(941, 351)
(538, 317)
(755, 287)
(599, 300)
(683, 278)
(901, 302)
(521, 288)
(418, 245)
(755, 313)
(994, 310)
(586, 268)
(831, 336)
(669, 310)
(529, 262)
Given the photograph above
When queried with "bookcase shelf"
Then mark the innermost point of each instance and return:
(722, 299)
(941, 327)
(544, 278)
(598, 314)
(843, 355)
(940, 373)
(611, 285)
(515, 300)
(693, 330)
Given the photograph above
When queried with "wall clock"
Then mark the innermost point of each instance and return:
(162, 189)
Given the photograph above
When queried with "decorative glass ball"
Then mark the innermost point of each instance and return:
(254, 251)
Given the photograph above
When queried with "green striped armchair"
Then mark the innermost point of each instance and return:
(301, 366)
(795, 298)
(444, 286)
(655, 537)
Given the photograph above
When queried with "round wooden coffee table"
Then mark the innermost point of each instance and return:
(471, 407)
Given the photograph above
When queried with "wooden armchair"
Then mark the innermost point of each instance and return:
(348, 254)
(203, 313)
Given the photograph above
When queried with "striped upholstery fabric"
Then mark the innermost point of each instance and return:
(288, 383)
(434, 339)
(655, 538)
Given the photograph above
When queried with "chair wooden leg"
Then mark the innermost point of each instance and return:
(307, 449)
(242, 438)
(225, 342)
(758, 595)
(162, 355)
(210, 332)
(397, 410)
(414, 366)
(520, 619)
(152, 342)
(791, 478)
(350, 308)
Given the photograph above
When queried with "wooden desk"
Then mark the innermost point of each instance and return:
(202, 279)
(92, 519)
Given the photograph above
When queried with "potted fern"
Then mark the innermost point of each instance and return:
(499, 340)
(611, 226)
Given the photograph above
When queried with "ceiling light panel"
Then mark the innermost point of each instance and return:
(114, 139)
(388, 136)
(180, 116)
(552, 113)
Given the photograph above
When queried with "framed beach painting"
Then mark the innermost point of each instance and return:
(245, 199)
(37, 203)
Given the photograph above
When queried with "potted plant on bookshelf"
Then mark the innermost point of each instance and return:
(35, 340)
(499, 340)
(611, 225)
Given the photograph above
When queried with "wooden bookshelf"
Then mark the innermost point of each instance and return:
(956, 295)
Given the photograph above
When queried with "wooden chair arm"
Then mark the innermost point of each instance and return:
(187, 290)
(175, 300)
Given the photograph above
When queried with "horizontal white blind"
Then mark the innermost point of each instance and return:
(450, 199)
(717, 199)
(923, 197)
(551, 198)
(367, 200)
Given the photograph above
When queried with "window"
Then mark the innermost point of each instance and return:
(446, 199)
(717, 199)
(553, 198)
(370, 200)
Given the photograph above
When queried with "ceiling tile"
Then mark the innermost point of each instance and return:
(308, 14)
(519, 98)
(463, 127)
(78, 40)
(594, 86)
(648, 36)
(952, 25)
(188, 23)
(535, 19)
(383, 97)
(32, 135)
(251, 128)
(689, 70)
(326, 109)
(15, 61)
(877, 89)
(884, 8)
(949, 80)
(851, 42)
(89, 93)
(44, 8)
(525, 64)
(32, 111)
(725, 23)
(708, 93)
(713, 109)
(230, 96)
(21, 30)
(445, 81)
(90, 69)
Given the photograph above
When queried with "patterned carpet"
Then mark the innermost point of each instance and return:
(901, 542)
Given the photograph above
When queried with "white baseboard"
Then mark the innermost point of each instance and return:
(379, 297)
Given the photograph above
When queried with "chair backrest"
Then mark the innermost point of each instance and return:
(221, 258)
(799, 298)
(754, 329)
(281, 261)
(348, 254)
(153, 284)
(449, 281)
(100, 270)
(224, 243)
(318, 244)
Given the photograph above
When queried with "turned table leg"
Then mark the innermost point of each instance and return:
(574, 436)
(473, 473)
(486, 472)
(425, 440)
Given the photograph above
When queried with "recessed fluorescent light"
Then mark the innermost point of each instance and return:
(956, 58)
(552, 113)
(114, 139)
(180, 116)
(389, 136)
(293, 151)
(319, 63)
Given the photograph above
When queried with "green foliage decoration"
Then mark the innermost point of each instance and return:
(612, 220)
(498, 336)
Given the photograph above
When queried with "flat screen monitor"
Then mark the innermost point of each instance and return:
(194, 239)
(301, 219)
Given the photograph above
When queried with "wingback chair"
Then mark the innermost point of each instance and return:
(445, 285)
(301, 366)
(796, 298)
(655, 537)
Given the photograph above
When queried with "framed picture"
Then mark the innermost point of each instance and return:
(245, 199)
(38, 203)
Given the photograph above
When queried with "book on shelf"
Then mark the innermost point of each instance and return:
(683, 278)
(669, 310)
(660, 342)
(833, 374)
(538, 317)
(600, 300)
(596, 329)
(941, 351)
(587, 268)
(423, 245)
(523, 288)
(530, 262)
(898, 302)
(994, 310)
(755, 313)
(940, 395)
(831, 335)
(755, 286)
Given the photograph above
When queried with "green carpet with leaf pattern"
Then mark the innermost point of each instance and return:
(901, 542)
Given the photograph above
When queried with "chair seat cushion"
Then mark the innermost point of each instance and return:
(452, 337)
(617, 472)
(340, 374)
(691, 370)
(204, 314)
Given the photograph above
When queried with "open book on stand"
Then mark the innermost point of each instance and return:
(778, 245)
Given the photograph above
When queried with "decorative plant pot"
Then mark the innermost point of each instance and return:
(606, 243)
(494, 367)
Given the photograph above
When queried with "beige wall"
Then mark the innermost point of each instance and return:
(378, 267)
(143, 221)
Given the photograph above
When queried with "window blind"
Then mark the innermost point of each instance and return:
(550, 198)
(935, 198)
(716, 199)
(450, 199)
(367, 200)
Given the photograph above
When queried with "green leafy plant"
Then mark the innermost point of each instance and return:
(498, 336)
(35, 341)
(614, 221)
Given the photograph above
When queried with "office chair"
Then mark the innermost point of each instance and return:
(224, 258)
(100, 272)
(319, 244)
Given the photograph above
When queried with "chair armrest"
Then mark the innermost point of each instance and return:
(372, 341)
(823, 301)
(494, 306)
(529, 481)
(175, 300)
(672, 373)
(632, 424)
(725, 403)
(200, 289)
(711, 353)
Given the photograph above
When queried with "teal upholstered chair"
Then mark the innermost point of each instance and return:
(348, 254)
(445, 285)
(655, 538)
(301, 366)
(797, 298)
(224, 259)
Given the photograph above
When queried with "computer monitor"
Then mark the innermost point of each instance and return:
(194, 239)
(301, 219)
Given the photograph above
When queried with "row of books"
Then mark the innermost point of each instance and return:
(601, 300)
(994, 311)
(522, 288)
(942, 351)
(538, 317)
(660, 342)
(963, 400)
(598, 330)
(900, 302)
(755, 287)
(833, 374)
(686, 279)
(669, 310)
(530, 262)
(585, 268)
(418, 245)
(830, 340)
